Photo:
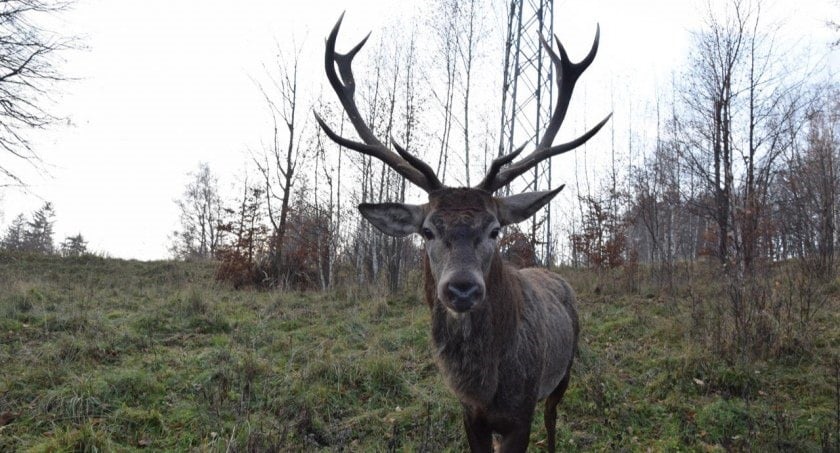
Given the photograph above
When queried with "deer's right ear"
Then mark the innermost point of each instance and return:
(393, 219)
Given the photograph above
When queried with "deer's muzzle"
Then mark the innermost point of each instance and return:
(462, 293)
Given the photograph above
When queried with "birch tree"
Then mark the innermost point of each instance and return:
(201, 212)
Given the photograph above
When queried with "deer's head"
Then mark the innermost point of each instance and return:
(460, 226)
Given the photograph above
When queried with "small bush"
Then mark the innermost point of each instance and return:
(237, 268)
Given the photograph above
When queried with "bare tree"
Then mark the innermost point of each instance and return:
(326, 240)
(776, 102)
(709, 99)
(740, 93)
(459, 28)
(657, 212)
(278, 165)
(201, 211)
(445, 26)
(393, 107)
(808, 193)
(467, 48)
(398, 250)
(29, 59)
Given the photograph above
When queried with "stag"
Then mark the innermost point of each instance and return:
(503, 338)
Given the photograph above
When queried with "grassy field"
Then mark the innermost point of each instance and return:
(109, 355)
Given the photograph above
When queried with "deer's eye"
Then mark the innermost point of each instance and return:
(427, 233)
(494, 234)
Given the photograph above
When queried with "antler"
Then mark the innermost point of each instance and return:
(567, 75)
(410, 167)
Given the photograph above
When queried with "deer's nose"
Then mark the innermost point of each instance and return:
(463, 295)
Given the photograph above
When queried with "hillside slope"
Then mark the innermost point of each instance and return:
(122, 355)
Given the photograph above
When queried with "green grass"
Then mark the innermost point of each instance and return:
(110, 355)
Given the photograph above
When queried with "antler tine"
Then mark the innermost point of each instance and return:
(567, 75)
(423, 167)
(497, 165)
(410, 167)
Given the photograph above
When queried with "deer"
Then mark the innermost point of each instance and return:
(502, 338)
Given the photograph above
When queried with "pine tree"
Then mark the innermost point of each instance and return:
(74, 246)
(38, 237)
(13, 240)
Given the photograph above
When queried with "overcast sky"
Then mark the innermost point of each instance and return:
(162, 85)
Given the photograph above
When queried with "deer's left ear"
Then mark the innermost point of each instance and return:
(394, 219)
(516, 208)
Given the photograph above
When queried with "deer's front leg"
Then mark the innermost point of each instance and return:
(516, 440)
(479, 433)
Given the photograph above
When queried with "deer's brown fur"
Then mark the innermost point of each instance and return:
(513, 349)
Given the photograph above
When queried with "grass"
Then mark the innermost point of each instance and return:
(110, 355)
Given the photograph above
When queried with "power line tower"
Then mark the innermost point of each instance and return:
(528, 86)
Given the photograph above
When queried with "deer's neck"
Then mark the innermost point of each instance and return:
(469, 347)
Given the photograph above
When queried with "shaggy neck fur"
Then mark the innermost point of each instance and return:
(470, 346)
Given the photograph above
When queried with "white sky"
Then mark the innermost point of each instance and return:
(163, 85)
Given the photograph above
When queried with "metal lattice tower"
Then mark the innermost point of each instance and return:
(528, 86)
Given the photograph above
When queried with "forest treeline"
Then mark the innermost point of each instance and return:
(742, 170)
(36, 235)
(740, 177)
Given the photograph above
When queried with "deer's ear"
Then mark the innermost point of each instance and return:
(394, 219)
(516, 208)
